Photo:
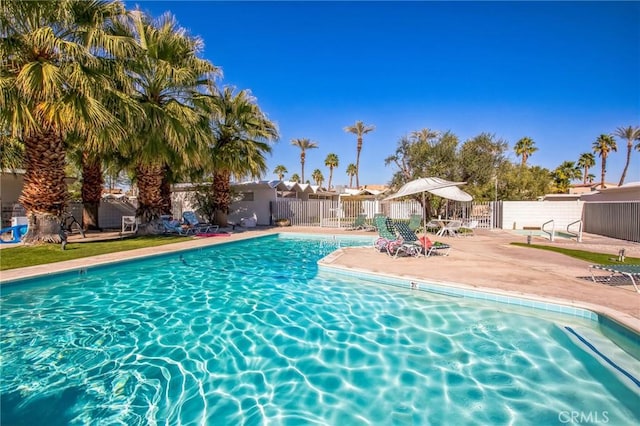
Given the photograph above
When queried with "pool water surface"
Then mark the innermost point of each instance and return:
(251, 333)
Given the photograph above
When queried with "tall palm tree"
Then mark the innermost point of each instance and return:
(524, 148)
(317, 177)
(242, 135)
(304, 144)
(359, 129)
(331, 162)
(586, 161)
(603, 146)
(351, 172)
(280, 171)
(631, 134)
(170, 81)
(53, 86)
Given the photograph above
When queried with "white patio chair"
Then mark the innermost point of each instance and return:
(452, 228)
(469, 228)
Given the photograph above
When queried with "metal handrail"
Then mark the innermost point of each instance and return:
(553, 229)
(579, 234)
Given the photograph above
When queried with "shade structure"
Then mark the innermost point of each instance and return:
(436, 186)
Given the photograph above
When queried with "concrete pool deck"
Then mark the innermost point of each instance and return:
(485, 262)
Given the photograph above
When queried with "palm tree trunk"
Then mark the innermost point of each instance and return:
(626, 165)
(150, 201)
(165, 191)
(302, 165)
(330, 178)
(604, 171)
(221, 188)
(44, 195)
(92, 182)
(358, 149)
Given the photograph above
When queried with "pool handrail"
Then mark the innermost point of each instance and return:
(553, 229)
(578, 235)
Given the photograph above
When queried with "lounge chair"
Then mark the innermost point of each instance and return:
(415, 222)
(409, 242)
(361, 224)
(198, 227)
(175, 227)
(630, 271)
(386, 232)
(424, 244)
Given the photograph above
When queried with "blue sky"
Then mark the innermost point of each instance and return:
(561, 73)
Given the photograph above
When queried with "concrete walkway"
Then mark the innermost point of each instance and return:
(486, 261)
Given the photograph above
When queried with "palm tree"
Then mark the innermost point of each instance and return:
(631, 134)
(295, 178)
(304, 144)
(524, 148)
(317, 177)
(603, 146)
(170, 81)
(331, 162)
(564, 174)
(586, 161)
(280, 171)
(242, 135)
(425, 135)
(351, 172)
(359, 129)
(11, 152)
(54, 85)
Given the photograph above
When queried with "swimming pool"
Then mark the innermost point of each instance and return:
(251, 332)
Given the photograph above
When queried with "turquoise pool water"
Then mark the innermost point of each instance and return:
(251, 333)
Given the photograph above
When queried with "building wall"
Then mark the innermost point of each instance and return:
(520, 214)
(260, 206)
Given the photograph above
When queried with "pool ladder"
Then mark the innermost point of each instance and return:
(553, 229)
(578, 235)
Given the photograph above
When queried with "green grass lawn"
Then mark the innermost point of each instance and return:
(591, 257)
(20, 257)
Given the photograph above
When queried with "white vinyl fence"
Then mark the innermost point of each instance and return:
(334, 214)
